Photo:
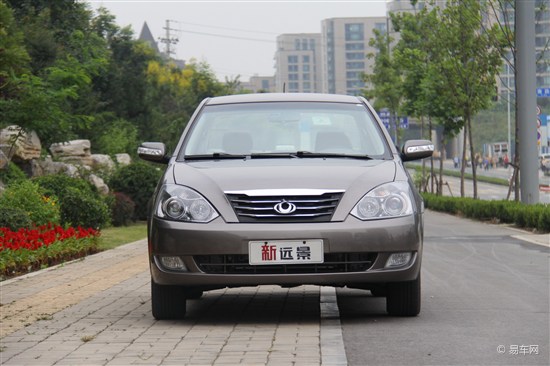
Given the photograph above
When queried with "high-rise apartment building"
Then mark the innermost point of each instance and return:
(542, 46)
(259, 84)
(345, 46)
(297, 63)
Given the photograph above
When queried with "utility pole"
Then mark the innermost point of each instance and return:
(168, 39)
(526, 101)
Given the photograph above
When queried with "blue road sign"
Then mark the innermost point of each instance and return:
(404, 122)
(543, 92)
(385, 118)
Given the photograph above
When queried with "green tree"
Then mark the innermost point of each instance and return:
(385, 80)
(469, 65)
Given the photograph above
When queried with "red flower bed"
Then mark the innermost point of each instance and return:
(32, 239)
(27, 250)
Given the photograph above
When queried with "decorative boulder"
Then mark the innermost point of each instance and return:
(27, 145)
(99, 184)
(76, 152)
(48, 166)
(102, 161)
(3, 160)
(123, 159)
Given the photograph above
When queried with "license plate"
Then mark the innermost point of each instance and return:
(285, 251)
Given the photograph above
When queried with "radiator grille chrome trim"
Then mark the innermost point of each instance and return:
(309, 208)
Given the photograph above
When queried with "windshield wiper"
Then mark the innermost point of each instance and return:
(309, 154)
(214, 156)
(273, 155)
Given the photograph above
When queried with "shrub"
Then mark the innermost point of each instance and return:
(58, 184)
(14, 218)
(78, 209)
(11, 174)
(122, 209)
(138, 181)
(519, 214)
(30, 198)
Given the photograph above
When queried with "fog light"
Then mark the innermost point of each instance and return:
(398, 259)
(174, 263)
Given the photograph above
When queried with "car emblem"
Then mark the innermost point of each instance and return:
(285, 207)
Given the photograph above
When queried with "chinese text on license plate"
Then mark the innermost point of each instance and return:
(285, 252)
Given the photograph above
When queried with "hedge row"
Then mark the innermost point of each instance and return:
(510, 212)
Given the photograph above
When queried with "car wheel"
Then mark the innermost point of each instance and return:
(378, 291)
(193, 293)
(167, 302)
(403, 298)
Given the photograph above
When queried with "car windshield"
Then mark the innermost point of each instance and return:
(297, 129)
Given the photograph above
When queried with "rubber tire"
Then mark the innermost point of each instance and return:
(378, 291)
(167, 302)
(403, 298)
(193, 293)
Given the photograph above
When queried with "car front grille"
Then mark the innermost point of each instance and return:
(238, 264)
(308, 208)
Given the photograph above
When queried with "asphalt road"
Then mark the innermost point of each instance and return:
(485, 302)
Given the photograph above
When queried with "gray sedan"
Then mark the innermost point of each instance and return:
(285, 189)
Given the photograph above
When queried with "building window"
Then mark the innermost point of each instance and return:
(312, 44)
(297, 44)
(306, 76)
(292, 68)
(293, 86)
(355, 46)
(305, 59)
(353, 74)
(305, 68)
(304, 44)
(380, 27)
(292, 76)
(307, 85)
(355, 55)
(293, 59)
(265, 84)
(355, 84)
(355, 65)
(355, 32)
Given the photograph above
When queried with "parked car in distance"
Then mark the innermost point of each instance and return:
(285, 189)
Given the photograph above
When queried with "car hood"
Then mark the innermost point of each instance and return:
(215, 178)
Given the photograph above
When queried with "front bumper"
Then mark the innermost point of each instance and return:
(377, 238)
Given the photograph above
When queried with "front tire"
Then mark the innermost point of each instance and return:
(167, 302)
(403, 298)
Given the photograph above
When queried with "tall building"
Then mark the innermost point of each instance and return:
(259, 84)
(542, 46)
(297, 63)
(345, 46)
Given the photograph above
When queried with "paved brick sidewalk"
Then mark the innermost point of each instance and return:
(97, 312)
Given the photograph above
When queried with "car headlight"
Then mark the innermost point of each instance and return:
(385, 201)
(184, 204)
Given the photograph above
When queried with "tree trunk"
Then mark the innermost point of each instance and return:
(423, 160)
(431, 158)
(440, 180)
(472, 153)
(463, 162)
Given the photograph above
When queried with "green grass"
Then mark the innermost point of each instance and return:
(115, 236)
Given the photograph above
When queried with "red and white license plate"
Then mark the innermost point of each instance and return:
(285, 251)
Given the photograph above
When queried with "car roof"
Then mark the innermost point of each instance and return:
(283, 97)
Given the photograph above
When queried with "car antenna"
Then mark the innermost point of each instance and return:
(284, 87)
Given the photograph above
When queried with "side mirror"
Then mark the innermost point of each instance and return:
(154, 152)
(417, 149)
